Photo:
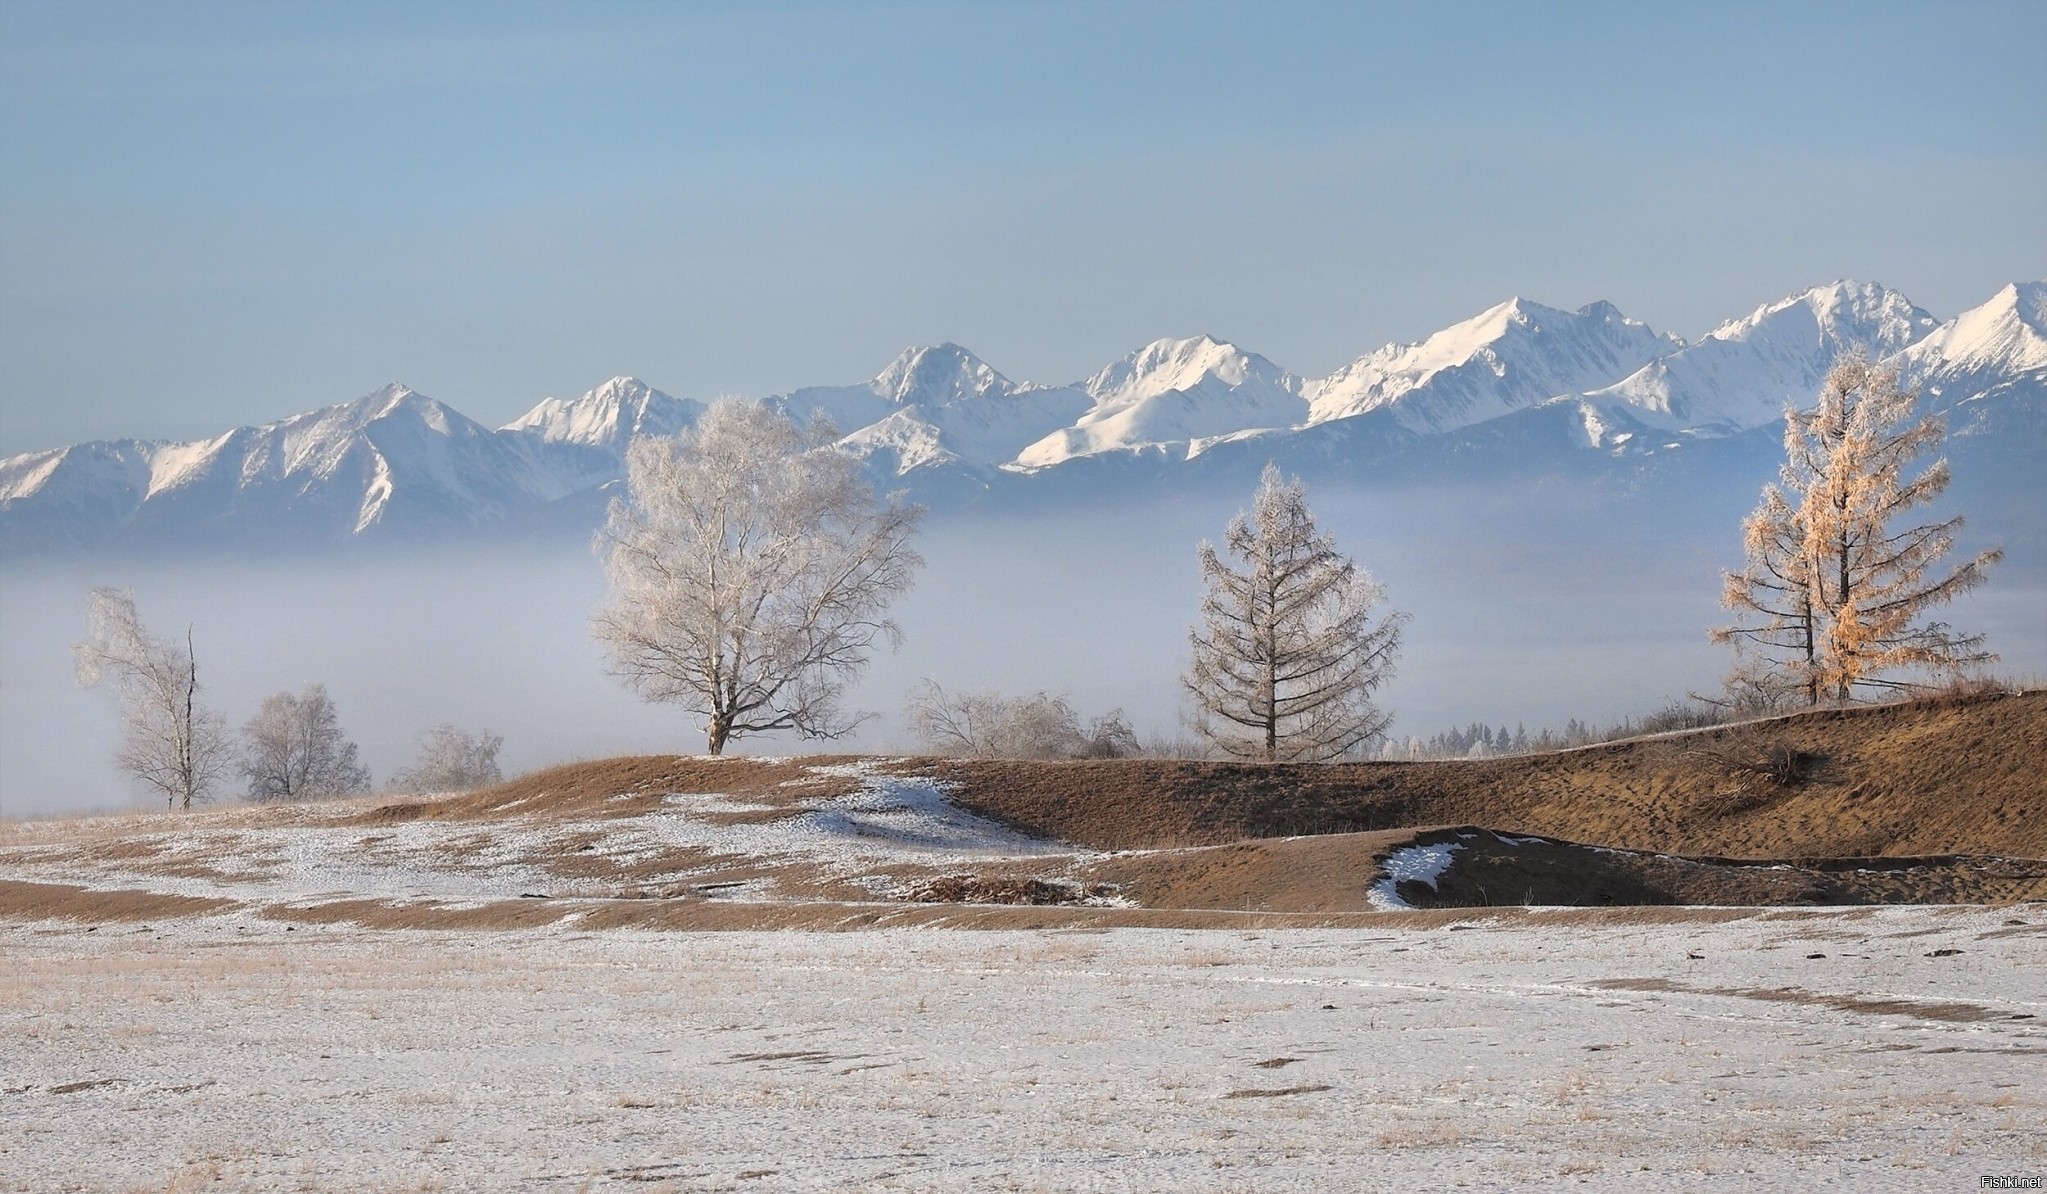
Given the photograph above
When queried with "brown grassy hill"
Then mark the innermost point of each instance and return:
(1335, 873)
(1957, 776)
(1933, 802)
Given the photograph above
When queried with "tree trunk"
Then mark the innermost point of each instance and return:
(186, 763)
(1271, 686)
(720, 730)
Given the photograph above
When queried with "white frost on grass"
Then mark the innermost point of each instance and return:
(887, 820)
(1529, 1052)
(1423, 864)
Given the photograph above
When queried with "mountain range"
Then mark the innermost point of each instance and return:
(1522, 387)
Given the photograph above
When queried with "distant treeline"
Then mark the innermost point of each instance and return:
(1481, 741)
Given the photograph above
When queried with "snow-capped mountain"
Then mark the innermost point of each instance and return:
(580, 444)
(940, 407)
(71, 498)
(1502, 360)
(1174, 392)
(1520, 390)
(1986, 370)
(1746, 371)
(608, 417)
(2003, 340)
(394, 461)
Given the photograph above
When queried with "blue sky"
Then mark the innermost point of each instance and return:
(215, 214)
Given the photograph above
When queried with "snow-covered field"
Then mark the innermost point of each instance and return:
(1893, 1048)
(296, 855)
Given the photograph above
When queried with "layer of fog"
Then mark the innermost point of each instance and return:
(1519, 615)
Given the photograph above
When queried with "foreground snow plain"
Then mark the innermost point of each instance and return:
(1891, 1048)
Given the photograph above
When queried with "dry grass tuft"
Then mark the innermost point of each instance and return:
(63, 901)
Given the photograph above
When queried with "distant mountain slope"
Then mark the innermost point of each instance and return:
(1503, 360)
(1746, 371)
(394, 462)
(581, 444)
(2000, 342)
(1521, 390)
(938, 408)
(1172, 393)
(71, 498)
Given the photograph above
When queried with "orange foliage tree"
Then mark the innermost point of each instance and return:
(1833, 595)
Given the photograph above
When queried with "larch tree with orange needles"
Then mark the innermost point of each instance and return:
(1833, 595)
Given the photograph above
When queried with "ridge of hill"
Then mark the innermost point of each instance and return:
(1952, 776)
(1930, 802)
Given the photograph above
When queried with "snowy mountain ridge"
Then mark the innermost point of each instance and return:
(2005, 336)
(1502, 360)
(941, 419)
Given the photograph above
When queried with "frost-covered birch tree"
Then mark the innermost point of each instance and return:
(1833, 594)
(751, 570)
(1291, 643)
(452, 759)
(985, 724)
(169, 740)
(293, 749)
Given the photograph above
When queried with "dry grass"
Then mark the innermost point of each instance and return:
(624, 787)
(1958, 774)
(63, 901)
(1899, 803)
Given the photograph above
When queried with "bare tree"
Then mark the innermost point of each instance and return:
(169, 740)
(984, 724)
(1109, 737)
(293, 749)
(751, 569)
(452, 759)
(1832, 595)
(1290, 647)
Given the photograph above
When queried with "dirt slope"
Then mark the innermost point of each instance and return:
(1956, 777)
(1336, 873)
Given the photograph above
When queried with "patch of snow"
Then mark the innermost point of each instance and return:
(1421, 863)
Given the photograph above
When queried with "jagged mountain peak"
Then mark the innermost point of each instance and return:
(606, 417)
(623, 388)
(395, 459)
(2006, 334)
(386, 405)
(1746, 371)
(1173, 393)
(1845, 313)
(389, 394)
(1506, 321)
(2019, 305)
(938, 374)
(1184, 363)
(1509, 356)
